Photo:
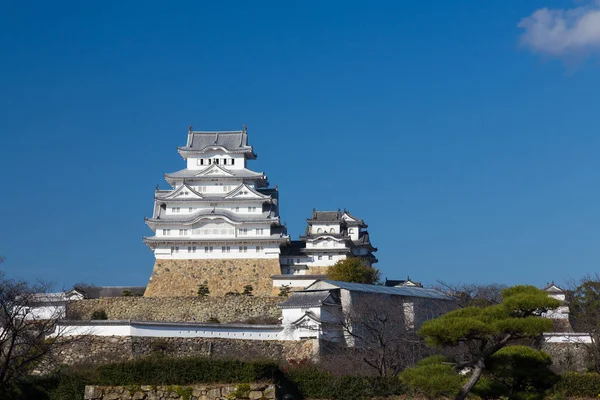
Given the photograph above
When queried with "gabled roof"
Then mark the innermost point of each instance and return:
(361, 287)
(401, 283)
(246, 192)
(193, 194)
(311, 299)
(226, 141)
(221, 172)
(190, 219)
(351, 220)
(553, 288)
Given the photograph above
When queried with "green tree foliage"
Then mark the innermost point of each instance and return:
(517, 372)
(248, 289)
(99, 315)
(203, 290)
(482, 332)
(353, 269)
(584, 305)
(433, 378)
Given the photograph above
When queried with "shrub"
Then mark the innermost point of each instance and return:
(248, 290)
(432, 379)
(575, 384)
(127, 293)
(311, 382)
(99, 315)
(214, 320)
(284, 291)
(203, 290)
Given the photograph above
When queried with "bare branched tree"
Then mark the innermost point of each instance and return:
(471, 294)
(28, 332)
(379, 332)
(583, 299)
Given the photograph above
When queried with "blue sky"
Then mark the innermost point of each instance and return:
(465, 133)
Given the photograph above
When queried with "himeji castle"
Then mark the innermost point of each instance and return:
(219, 226)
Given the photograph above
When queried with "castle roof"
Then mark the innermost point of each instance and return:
(226, 141)
(302, 299)
(408, 291)
(189, 219)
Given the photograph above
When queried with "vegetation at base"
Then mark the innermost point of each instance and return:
(353, 269)
(99, 315)
(203, 290)
(311, 382)
(433, 378)
(284, 291)
(573, 384)
(483, 332)
(304, 381)
(248, 290)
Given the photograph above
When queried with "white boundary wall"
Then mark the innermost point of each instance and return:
(164, 329)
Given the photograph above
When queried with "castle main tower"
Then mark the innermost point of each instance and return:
(218, 225)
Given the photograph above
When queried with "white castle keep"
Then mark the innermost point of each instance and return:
(218, 213)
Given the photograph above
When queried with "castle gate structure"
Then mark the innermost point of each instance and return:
(219, 225)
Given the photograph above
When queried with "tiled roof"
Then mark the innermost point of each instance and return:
(310, 299)
(398, 291)
(325, 216)
(197, 173)
(231, 141)
(267, 216)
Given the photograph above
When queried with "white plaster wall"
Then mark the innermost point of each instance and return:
(270, 250)
(354, 234)
(324, 261)
(567, 337)
(325, 228)
(126, 328)
(239, 163)
(46, 312)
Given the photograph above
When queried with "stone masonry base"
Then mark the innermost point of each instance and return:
(174, 278)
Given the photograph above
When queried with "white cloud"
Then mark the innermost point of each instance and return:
(563, 32)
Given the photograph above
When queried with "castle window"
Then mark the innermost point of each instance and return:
(259, 231)
(209, 161)
(232, 161)
(320, 257)
(237, 209)
(175, 209)
(259, 249)
(217, 161)
(319, 230)
(251, 209)
(331, 257)
(331, 230)
(243, 249)
(243, 231)
(224, 161)
(190, 209)
(183, 232)
(350, 230)
(175, 249)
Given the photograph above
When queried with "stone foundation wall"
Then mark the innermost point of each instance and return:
(253, 391)
(317, 270)
(175, 278)
(245, 309)
(104, 349)
(568, 356)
